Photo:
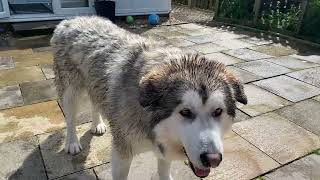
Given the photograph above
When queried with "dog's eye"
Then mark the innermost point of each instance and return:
(217, 112)
(187, 113)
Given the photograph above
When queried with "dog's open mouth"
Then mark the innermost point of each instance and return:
(201, 173)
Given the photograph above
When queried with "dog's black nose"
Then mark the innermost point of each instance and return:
(211, 159)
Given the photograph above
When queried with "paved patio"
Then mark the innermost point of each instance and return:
(275, 136)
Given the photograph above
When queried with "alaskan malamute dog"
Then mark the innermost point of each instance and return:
(154, 96)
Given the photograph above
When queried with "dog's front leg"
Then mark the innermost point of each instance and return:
(69, 103)
(120, 165)
(164, 169)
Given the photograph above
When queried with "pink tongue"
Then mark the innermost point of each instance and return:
(202, 172)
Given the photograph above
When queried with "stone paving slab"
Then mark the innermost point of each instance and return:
(311, 58)
(317, 98)
(96, 151)
(47, 70)
(243, 75)
(165, 29)
(261, 101)
(240, 116)
(241, 161)
(31, 41)
(190, 26)
(198, 32)
(305, 113)
(292, 63)
(200, 39)
(42, 49)
(6, 63)
(288, 88)
(276, 136)
(215, 37)
(274, 50)
(263, 68)
(26, 121)
(179, 42)
(10, 96)
(21, 160)
(311, 76)
(34, 59)
(256, 41)
(19, 75)
(16, 53)
(223, 58)
(247, 54)
(233, 43)
(207, 48)
(172, 34)
(229, 35)
(39, 91)
(82, 175)
(153, 31)
(307, 168)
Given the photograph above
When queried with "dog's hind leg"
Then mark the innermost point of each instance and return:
(164, 169)
(97, 126)
(69, 104)
(120, 165)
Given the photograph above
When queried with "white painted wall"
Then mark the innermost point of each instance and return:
(123, 8)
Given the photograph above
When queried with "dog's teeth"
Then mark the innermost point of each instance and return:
(186, 162)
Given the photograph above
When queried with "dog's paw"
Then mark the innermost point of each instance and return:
(101, 128)
(73, 148)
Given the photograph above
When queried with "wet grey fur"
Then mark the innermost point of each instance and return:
(92, 54)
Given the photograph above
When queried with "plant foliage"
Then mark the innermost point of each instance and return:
(236, 9)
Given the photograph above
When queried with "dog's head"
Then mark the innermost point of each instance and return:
(192, 102)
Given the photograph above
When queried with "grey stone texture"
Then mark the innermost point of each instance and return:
(10, 96)
(288, 88)
(311, 76)
(247, 54)
(263, 68)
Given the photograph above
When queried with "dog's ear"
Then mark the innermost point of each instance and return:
(237, 88)
(151, 88)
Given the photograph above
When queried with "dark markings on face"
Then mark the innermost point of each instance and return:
(229, 101)
(161, 148)
(163, 107)
(203, 92)
(161, 90)
(239, 92)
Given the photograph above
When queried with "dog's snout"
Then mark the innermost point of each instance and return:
(211, 159)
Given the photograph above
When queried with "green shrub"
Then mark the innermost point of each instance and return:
(279, 16)
(311, 23)
(236, 9)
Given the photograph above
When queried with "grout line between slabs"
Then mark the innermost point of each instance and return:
(41, 155)
(84, 169)
(257, 147)
(283, 165)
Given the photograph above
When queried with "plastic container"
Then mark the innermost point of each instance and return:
(105, 9)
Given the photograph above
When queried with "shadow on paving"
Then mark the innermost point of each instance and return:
(302, 48)
(23, 172)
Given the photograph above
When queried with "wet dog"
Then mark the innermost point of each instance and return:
(155, 97)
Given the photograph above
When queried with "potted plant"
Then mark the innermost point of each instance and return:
(105, 8)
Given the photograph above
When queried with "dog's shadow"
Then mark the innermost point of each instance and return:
(44, 164)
